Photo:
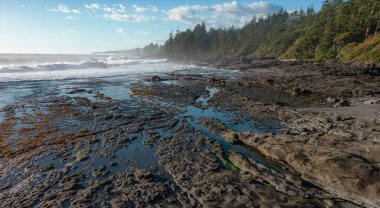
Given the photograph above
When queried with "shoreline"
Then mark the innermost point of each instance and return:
(268, 135)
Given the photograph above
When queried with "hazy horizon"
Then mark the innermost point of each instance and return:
(84, 27)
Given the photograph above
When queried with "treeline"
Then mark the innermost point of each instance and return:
(302, 34)
(151, 50)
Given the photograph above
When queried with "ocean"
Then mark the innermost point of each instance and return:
(29, 67)
(26, 75)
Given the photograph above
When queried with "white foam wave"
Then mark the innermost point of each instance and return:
(90, 71)
(91, 63)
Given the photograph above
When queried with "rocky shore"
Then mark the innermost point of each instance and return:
(272, 134)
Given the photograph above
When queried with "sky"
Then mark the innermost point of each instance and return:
(86, 26)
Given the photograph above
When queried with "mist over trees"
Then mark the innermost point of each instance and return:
(302, 34)
(151, 50)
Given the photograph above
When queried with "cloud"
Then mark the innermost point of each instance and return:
(70, 18)
(61, 8)
(141, 9)
(221, 15)
(115, 8)
(224, 14)
(229, 8)
(75, 11)
(92, 6)
(117, 12)
(107, 9)
(188, 14)
(121, 8)
(124, 17)
(121, 30)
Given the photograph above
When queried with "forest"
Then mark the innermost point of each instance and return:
(343, 30)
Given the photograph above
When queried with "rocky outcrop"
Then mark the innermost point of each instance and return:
(341, 164)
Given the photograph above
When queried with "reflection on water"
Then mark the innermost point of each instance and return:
(117, 92)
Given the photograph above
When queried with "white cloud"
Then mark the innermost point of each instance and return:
(92, 6)
(188, 14)
(123, 17)
(70, 18)
(64, 9)
(141, 9)
(229, 8)
(219, 15)
(108, 9)
(121, 8)
(121, 30)
(75, 11)
(118, 12)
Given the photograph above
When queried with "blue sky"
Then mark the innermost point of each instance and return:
(85, 26)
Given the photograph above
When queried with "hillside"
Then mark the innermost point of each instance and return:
(369, 50)
(343, 30)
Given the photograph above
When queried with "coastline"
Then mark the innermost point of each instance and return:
(275, 133)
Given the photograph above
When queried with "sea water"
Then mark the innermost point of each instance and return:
(26, 74)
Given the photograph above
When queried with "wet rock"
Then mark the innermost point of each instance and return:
(154, 79)
(8, 108)
(99, 171)
(282, 104)
(331, 100)
(346, 175)
(371, 102)
(331, 158)
(72, 182)
(46, 167)
(342, 103)
(75, 91)
(296, 91)
(82, 155)
(4, 186)
(275, 179)
(212, 79)
(142, 188)
(103, 97)
(230, 136)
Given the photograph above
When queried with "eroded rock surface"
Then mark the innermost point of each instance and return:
(255, 138)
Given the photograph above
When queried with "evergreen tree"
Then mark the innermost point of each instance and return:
(304, 34)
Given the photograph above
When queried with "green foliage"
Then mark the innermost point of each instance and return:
(303, 200)
(369, 50)
(231, 166)
(300, 34)
(83, 130)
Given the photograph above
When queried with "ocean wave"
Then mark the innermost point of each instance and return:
(144, 67)
(103, 63)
